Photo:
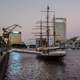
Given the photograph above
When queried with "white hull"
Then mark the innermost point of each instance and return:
(54, 53)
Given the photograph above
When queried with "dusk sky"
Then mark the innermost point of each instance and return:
(27, 12)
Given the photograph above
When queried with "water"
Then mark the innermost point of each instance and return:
(24, 66)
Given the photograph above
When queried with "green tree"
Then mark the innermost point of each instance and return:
(2, 42)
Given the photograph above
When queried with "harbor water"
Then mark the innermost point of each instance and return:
(23, 66)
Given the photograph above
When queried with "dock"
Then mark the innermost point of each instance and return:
(25, 51)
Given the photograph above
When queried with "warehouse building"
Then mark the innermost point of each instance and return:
(15, 38)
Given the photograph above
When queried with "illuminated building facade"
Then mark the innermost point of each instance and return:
(15, 38)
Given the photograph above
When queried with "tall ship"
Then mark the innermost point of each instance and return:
(50, 41)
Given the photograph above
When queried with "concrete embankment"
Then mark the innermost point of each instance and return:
(3, 65)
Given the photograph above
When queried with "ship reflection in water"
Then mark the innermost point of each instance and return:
(28, 67)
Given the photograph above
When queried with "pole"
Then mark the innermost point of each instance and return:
(41, 33)
(54, 33)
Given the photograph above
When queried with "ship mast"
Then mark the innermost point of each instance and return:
(54, 24)
(41, 33)
(47, 26)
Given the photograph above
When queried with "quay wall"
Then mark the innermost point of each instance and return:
(3, 64)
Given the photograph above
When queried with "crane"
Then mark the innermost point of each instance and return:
(7, 31)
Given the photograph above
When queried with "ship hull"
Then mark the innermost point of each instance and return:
(56, 55)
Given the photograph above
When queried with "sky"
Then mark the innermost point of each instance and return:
(27, 12)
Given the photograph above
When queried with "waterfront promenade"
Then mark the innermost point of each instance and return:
(3, 64)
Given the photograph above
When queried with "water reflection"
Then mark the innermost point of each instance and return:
(51, 70)
(15, 56)
(16, 63)
(28, 67)
(15, 66)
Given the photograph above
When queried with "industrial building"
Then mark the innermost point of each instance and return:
(15, 38)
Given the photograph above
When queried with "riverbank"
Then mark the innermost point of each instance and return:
(3, 64)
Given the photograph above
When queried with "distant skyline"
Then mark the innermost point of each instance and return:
(27, 12)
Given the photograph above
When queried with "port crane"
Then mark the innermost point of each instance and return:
(7, 31)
